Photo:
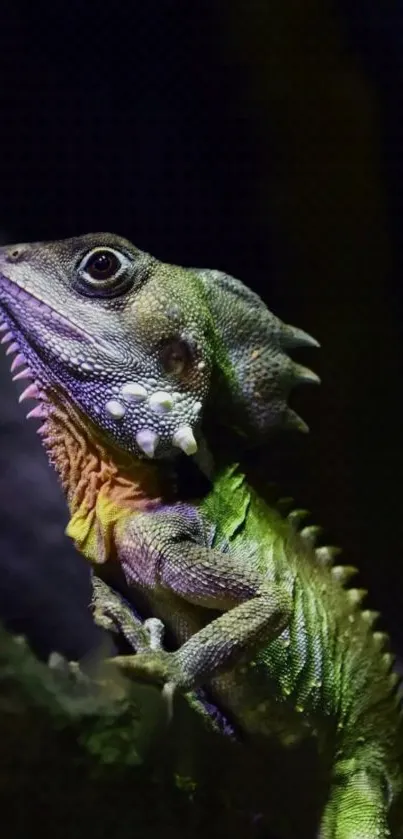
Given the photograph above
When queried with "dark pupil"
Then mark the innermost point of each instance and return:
(101, 266)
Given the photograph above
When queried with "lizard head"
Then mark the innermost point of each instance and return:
(139, 346)
(99, 324)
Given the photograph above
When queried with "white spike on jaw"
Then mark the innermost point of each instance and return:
(30, 392)
(184, 439)
(12, 348)
(23, 374)
(39, 412)
(161, 402)
(18, 361)
(147, 440)
(6, 338)
(3, 327)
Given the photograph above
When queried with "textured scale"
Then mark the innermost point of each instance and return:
(129, 365)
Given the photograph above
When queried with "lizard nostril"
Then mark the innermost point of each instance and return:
(16, 253)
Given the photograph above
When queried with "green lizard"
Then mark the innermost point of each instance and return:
(125, 354)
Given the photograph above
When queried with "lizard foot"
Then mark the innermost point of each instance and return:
(113, 614)
(157, 666)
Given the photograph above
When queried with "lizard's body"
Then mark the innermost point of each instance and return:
(257, 613)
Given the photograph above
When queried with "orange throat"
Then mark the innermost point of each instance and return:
(103, 485)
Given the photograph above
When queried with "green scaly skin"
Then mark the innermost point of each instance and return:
(126, 354)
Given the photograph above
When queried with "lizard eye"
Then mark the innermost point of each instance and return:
(102, 265)
(103, 271)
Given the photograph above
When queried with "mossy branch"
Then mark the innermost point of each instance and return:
(96, 757)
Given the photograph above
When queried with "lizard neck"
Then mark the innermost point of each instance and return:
(102, 484)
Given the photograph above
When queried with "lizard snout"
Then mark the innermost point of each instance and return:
(14, 253)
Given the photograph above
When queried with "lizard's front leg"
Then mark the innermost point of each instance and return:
(166, 553)
(113, 614)
(220, 645)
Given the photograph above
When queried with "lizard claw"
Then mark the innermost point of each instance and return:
(155, 629)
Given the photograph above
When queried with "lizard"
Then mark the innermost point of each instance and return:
(125, 353)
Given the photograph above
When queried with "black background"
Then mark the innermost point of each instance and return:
(263, 139)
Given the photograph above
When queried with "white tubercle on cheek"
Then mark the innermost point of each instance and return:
(115, 409)
(161, 402)
(133, 392)
(147, 441)
(184, 439)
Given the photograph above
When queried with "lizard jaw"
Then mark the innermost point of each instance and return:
(147, 439)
